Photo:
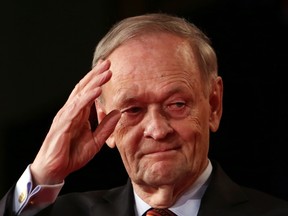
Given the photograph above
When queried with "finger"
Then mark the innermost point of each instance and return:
(86, 96)
(97, 81)
(93, 117)
(100, 68)
(94, 83)
(77, 104)
(106, 127)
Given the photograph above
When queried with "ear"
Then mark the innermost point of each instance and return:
(101, 113)
(216, 106)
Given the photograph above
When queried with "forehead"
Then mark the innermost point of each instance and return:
(149, 52)
(151, 59)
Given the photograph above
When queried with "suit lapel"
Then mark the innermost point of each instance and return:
(221, 195)
(119, 201)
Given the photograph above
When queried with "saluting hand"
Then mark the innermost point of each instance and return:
(70, 142)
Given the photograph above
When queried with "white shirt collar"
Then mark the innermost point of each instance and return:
(189, 202)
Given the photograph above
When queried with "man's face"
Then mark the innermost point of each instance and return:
(163, 134)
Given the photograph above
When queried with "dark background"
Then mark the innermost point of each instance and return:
(46, 47)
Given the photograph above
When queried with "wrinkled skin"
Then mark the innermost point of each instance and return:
(154, 108)
(167, 114)
(70, 143)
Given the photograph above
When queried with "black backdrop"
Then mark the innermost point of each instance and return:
(46, 47)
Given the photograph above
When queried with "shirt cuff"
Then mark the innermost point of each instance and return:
(27, 199)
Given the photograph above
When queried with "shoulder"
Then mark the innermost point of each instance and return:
(260, 203)
(263, 199)
(101, 202)
(90, 196)
(223, 195)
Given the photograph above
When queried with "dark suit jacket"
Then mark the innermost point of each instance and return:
(223, 197)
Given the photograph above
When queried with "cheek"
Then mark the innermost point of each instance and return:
(127, 140)
(125, 135)
(189, 128)
(195, 138)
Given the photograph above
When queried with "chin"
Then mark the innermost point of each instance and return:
(163, 176)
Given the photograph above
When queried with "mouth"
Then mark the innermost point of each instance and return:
(162, 151)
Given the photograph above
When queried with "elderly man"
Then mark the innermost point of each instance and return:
(158, 96)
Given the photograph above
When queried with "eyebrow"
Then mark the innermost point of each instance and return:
(124, 99)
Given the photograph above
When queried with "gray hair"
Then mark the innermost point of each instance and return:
(132, 27)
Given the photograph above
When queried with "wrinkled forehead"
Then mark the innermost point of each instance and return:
(149, 62)
(151, 55)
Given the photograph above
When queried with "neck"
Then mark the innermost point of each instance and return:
(164, 196)
(157, 197)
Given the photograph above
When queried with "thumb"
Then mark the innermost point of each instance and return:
(106, 127)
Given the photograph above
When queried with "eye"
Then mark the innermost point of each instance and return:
(178, 109)
(132, 110)
(176, 106)
(132, 115)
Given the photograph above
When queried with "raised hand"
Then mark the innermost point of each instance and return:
(70, 142)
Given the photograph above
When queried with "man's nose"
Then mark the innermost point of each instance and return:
(157, 126)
